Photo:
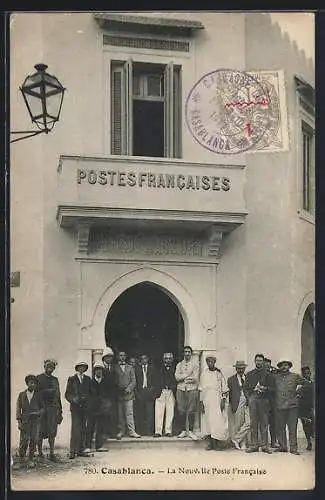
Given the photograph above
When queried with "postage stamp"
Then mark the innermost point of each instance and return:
(230, 111)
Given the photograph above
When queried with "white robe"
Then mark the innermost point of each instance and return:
(214, 421)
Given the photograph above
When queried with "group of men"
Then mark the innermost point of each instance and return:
(139, 398)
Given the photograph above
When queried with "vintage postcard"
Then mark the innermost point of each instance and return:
(162, 250)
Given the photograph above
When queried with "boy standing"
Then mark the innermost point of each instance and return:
(28, 414)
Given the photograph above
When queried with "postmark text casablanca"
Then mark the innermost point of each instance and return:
(229, 111)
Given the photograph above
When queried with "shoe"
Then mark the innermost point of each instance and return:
(236, 444)
(168, 435)
(72, 456)
(275, 445)
(251, 450)
(53, 458)
(101, 449)
(135, 435)
(41, 455)
(87, 450)
(119, 435)
(83, 454)
(267, 450)
(309, 447)
(192, 436)
(157, 435)
(183, 434)
(294, 452)
(209, 446)
(280, 450)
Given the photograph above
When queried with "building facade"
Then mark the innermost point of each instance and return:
(127, 231)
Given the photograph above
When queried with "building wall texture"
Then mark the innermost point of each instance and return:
(265, 277)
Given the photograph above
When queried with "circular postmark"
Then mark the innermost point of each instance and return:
(229, 111)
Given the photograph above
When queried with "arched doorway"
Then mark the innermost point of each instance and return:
(144, 319)
(308, 338)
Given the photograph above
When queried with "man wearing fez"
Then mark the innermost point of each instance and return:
(214, 392)
(239, 421)
(29, 409)
(287, 387)
(110, 426)
(145, 396)
(257, 387)
(125, 382)
(306, 406)
(165, 389)
(187, 395)
(78, 393)
(99, 408)
(272, 412)
(49, 389)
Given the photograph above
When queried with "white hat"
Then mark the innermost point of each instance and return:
(107, 352)
(81, 362)
(99, 364)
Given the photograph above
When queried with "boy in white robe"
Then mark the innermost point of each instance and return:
(213, 395)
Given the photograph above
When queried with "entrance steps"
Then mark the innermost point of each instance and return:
(151, 442)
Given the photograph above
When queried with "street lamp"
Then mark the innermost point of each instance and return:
(43, 96)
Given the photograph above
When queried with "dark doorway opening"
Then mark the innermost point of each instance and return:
(144, 319)
(308, 338)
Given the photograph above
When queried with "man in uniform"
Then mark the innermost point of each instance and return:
(187, 395)
(78, 393)
(49, 389)
(306, 406)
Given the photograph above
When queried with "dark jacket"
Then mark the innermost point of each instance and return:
(78, 395)
(234, 392)
(48, 387)
(151, 378)
(165, 379)
(125, 382)
(264, 378)
(286, 395)
(26, 410)
(102, 395)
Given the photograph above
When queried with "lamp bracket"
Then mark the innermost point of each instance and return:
(28, 134)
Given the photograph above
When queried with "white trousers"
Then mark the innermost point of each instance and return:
(164, 404)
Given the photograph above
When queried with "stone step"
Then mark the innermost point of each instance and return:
(151, 442)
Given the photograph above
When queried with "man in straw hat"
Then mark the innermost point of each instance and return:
(213, 391)
(287, 387)
(28, 415)
(238, 414)
(78, 393)
(99, 409)
(49, 389)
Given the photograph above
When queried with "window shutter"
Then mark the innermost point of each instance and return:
(169, 111)
(177, 113)
(129, 106)
(116, 110)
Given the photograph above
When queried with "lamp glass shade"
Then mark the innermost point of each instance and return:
(43, 95)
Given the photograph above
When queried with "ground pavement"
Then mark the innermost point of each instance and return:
(168, 466)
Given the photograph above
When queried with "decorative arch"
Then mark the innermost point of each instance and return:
(307, 330)
(193, 327)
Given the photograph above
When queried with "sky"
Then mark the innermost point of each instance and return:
(300, 27)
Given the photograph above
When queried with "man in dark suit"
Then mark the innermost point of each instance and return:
(257, 388)
(78, 393)
(272, 413)
(125, 383)
(49, 389)
(306, 406)
(145, 396)
(165, 391)
(29, 410)
(99, 409)
(111, 424)
(238, 413)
